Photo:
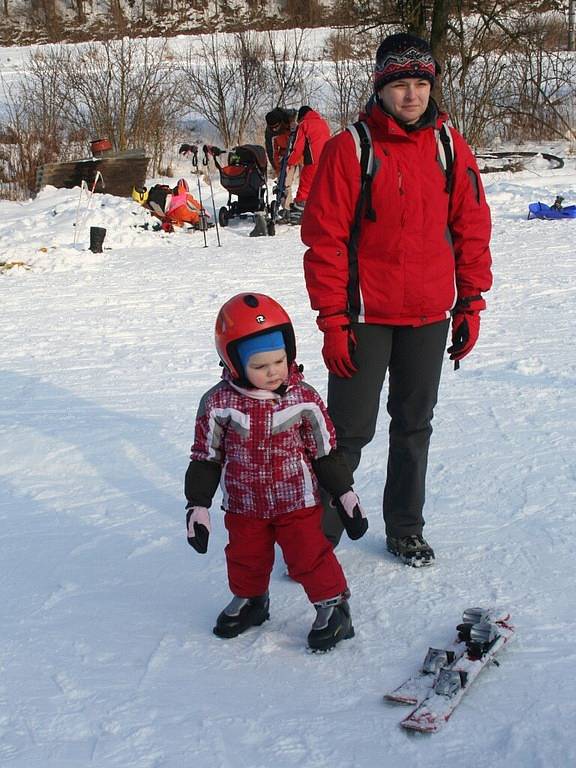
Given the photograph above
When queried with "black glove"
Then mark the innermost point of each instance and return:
(198, 528)
(188, 149)
(208, 149)
(352, 515)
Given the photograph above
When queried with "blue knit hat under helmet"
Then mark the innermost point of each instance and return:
(265, 342)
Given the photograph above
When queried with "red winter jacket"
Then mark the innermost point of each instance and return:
(265, 444)
(313, 133)
(427, 247)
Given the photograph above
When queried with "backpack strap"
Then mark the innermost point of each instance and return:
(363, 142)
(360, 133)
(445, 144)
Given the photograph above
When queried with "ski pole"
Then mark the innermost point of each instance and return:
(205, 150)
(90, 197)
(83, 186)
(194, 152)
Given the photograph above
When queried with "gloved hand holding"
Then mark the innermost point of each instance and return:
(188, 149)
(339, 342)
(198, 528)
(210, 149)
(352, 515)
(465, 326)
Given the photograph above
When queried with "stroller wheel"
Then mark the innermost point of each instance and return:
(223, 216)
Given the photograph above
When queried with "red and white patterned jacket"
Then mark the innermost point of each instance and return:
(265, 444)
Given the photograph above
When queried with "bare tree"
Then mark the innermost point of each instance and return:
(286, 52)
(543, 99)
(47, 15)
(413, 15)
(349, 76)
(501, 76)
(33, 118)
(227, 84)
(121, 90)
(80, 14)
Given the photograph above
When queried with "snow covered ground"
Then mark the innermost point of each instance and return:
(106, 649)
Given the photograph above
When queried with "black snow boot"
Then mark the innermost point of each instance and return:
(412, 550)
(296, 211)
(333, 623)
(283, 216)
(240, 614)
(97, 235)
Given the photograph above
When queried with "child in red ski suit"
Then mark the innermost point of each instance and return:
(265, 436)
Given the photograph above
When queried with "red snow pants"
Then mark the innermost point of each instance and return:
(307, 173)
(307, 552)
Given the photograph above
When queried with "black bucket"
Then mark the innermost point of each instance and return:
(97, 235)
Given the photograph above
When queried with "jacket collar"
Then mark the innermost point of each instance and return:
(295, 376)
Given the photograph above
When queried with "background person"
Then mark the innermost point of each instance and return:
(279, 125)
(312, 134)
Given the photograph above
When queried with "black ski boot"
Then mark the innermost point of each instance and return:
(295, 213)
(412, 550)
(333, 623)
(240, 614)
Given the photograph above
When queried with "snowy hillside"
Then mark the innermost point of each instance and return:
(32, 21)
(107, 653)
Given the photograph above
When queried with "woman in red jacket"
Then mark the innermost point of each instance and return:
(422, 256)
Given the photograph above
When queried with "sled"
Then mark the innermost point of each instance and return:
(543, 211)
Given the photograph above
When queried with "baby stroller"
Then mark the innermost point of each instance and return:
(245, 178)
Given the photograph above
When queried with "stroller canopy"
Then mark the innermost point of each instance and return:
(249, 154)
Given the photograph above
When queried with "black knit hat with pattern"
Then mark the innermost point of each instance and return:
(401, 56)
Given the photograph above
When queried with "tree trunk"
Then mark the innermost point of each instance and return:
(440, 13)
(414, 13)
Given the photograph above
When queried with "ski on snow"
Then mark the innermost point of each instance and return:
(447, 673)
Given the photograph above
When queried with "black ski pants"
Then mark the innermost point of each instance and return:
(413, 358)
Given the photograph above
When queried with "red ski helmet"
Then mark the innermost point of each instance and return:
(247, 315)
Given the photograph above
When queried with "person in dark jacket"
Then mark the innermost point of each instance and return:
(280, 123)
(265, 436)
(422, 257)
(312, 134)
